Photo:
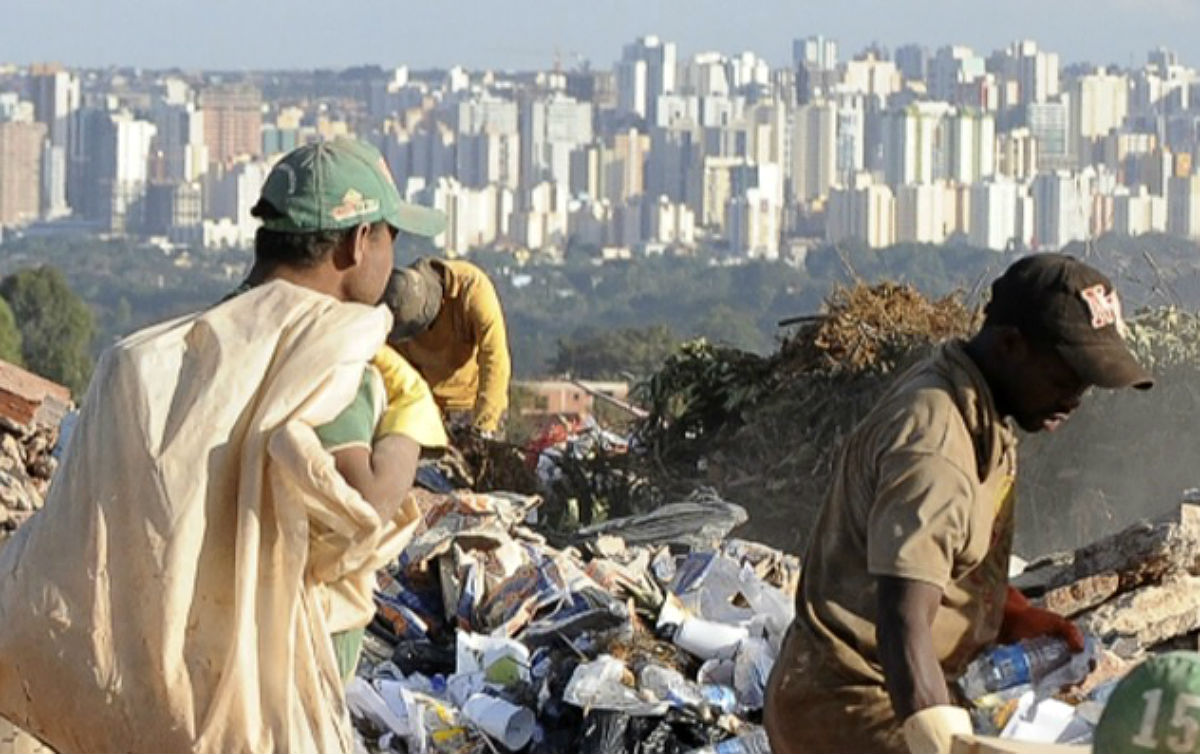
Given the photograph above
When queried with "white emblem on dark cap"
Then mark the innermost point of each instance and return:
(1105, 306)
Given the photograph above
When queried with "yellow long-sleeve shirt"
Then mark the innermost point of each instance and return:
(464, 354)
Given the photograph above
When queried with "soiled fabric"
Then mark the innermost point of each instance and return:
(814, 710)
(923, 490)
(175, 592)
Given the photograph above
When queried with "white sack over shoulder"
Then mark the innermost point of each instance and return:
(173, 593)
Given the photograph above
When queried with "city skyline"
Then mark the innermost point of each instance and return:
(528, 34)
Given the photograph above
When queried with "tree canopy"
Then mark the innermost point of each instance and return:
(55, 325)
(10, 335)
(615, 354)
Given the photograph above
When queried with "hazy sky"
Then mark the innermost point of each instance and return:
(523, 34)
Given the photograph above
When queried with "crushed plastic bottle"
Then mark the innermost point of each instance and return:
(751, 742)
(1036, 662)
(670, 686)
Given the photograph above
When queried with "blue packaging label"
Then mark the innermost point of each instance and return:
(720, 697)
(1011, 664)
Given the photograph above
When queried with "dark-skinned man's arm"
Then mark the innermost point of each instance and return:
(913, 676)
(903, 631)
(916, 528)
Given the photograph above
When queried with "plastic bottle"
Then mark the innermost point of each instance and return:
(670, 686)
(751, 742)
(1002, 667)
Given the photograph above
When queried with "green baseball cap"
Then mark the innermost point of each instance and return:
(338, 184)
(1156, 708)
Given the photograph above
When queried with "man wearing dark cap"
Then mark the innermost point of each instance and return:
(448, 323)
(905, 578)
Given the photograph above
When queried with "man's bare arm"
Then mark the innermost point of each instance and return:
(903, 631)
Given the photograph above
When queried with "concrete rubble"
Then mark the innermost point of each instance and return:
(32, 409)
(1139, 584)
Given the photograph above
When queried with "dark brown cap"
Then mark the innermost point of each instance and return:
(414, 295)
(1060, 301)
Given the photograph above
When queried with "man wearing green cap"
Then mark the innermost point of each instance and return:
(449, 324)
(905, 578)
(321, 200)
(235, 479)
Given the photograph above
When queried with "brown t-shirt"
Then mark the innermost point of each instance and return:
(923, 490)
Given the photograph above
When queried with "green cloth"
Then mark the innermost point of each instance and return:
(347, 646)
(355, 426)
(339, 184)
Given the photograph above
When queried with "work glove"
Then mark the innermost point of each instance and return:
(931, 730)
(1024, 621)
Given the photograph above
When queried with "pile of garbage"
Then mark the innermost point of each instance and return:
(26, 465)
(650, 633)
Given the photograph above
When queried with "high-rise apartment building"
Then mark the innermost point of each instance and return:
(864, 211)
(1137, 211)
(21, 146)
(754, 225)
(674, 165)
(817, 53)
(1036, 72)
(1061, 208)
(1183, 206)
(1099, 103)
(950, 67)
(814, 158)
(115, 173)
(486, 115)
(232, 121)
(180, 142)
(1018, 154)
(645, 71)
(1001, 215)
(912, 61)
(851, 135)
(56, 98)
(972, 148)
(1050, 125)
(872, 76)
(622, 166)
(551, 129)
(475, 217)
(922, 214)
(486, 158)
(915, 144)
(705, 75)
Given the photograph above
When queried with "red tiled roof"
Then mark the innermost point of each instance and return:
(23, 393)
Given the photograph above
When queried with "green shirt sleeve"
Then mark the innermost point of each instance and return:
(355, 426)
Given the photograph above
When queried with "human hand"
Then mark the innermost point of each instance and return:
(1024, 621)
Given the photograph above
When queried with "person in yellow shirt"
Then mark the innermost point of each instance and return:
(449, 325)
